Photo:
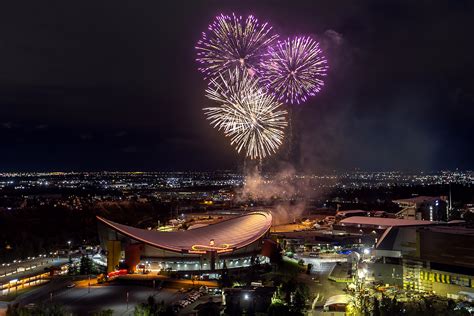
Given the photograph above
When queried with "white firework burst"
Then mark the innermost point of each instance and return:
(250, 117)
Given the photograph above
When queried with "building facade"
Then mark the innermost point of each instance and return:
(433, 259)
(232, 243)
(428, 208)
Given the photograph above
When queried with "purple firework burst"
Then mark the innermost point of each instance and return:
(294, 69)
(233, 41)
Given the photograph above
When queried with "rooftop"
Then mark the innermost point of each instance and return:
(384, 222)
(224, 236)
(457, 230)
(338, 299)
(343, 213)
(418, 199)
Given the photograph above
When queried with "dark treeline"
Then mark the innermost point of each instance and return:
(33, 231)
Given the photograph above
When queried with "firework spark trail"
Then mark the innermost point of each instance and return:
(294, 69)
(249, 116)
(233, 41)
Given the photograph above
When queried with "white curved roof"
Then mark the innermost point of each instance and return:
(226, 236)
(338, 299)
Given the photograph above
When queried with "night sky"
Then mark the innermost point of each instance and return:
(113, 85)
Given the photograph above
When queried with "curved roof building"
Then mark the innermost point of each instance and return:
(204, 248)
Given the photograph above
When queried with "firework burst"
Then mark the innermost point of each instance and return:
(233, 41)
(251, 118)
(294, 69)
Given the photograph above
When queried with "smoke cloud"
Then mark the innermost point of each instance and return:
(284, 191)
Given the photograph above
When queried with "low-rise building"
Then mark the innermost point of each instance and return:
(433, 259)
(377, 225)
(430, 208)
(233, 243)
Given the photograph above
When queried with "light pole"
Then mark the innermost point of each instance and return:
(359, 290)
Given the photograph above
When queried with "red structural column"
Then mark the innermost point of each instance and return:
(132, 256)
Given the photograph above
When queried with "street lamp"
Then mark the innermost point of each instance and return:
(69, 245)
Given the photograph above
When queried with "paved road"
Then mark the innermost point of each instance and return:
(80, 301)
(43, 292)
(321, 287)
(327, 288)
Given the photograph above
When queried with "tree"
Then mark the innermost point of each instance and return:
(376, 307)
(142, 310)
(288, 288)
(468, 216)
(390, 306)
(278, 309)
(72, 269)
(106, 312)
(86, 265)
(16, 310)
(151, 308)
(225, 280)
(209, 309)
(298, 305)
(43, 310)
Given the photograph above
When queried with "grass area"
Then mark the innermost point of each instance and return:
(291, 266)
(285, 270)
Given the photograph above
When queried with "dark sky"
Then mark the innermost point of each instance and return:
(113, 85)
